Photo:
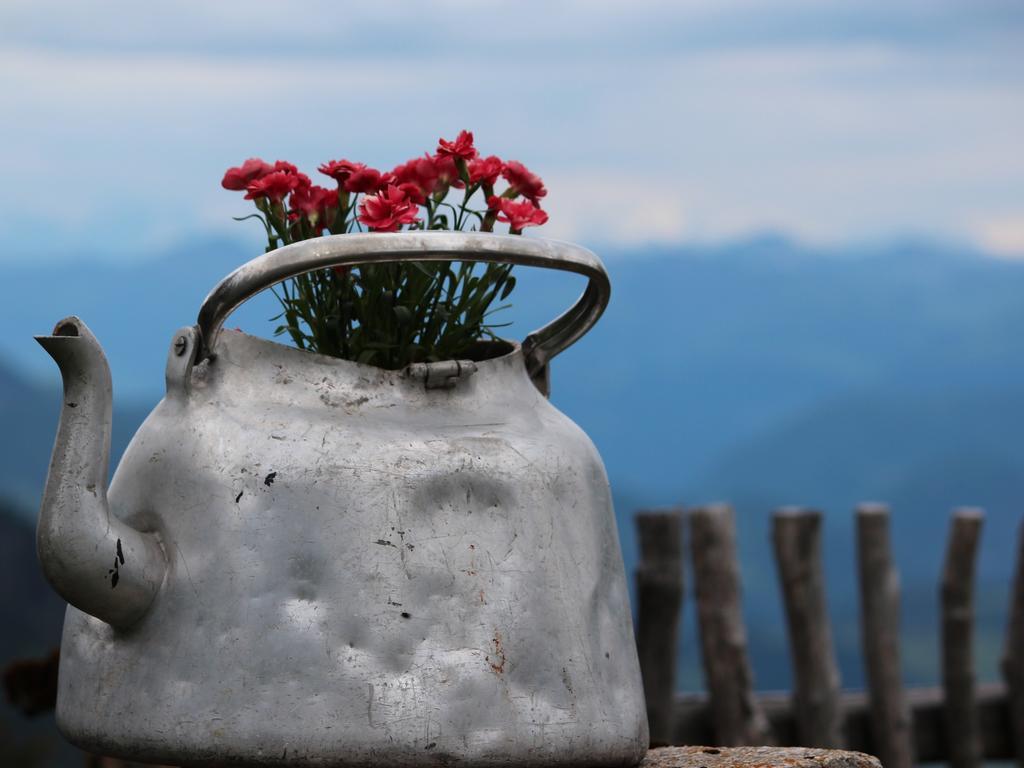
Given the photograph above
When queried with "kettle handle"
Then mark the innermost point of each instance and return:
(380, 247)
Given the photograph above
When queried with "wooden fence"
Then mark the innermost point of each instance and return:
(959, 722)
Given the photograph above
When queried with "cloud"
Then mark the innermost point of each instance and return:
(710, 120)
(414, 29)
(615, 208)
(1002, 235)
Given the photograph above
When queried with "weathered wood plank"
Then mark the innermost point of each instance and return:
(738, 718)
(1013, 655)
(659, 590)
(880, 621)
(796, 534)
(693, 720)
(931, 737)
(957, 604)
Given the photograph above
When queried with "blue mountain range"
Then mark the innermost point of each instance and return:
(761, 372)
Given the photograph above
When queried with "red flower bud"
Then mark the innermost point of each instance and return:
(286, 167)
(353, 177)
(273, 186)
(461, 147)
(327, 199)
(518, 214)
(486, 170)
(413, 192)
(339, 170)
(313, 201)
(363, 179)
(523, 182)
(387, 210)
(420, 171)
(447, 172)
(241, 177)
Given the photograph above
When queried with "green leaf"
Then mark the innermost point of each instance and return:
(509, 285)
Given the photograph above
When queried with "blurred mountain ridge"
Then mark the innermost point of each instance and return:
(762, 372)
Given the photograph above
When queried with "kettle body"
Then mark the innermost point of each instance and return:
(351, 566)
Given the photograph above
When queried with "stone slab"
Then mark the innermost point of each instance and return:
(756, 757)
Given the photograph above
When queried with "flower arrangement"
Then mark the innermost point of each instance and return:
(391, 315)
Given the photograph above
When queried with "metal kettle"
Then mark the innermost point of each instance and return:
(302, 560)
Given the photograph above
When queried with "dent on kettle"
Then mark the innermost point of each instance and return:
(97, 562)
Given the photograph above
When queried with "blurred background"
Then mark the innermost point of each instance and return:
(813, 215)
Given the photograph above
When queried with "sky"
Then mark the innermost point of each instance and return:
(651, 122)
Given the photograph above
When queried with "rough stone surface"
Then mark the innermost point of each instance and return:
(756, 757)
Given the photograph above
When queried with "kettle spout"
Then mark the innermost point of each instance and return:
(98, 563)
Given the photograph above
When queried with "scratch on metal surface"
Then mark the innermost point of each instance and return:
(523, 456)
(187, 571)
(482, 424)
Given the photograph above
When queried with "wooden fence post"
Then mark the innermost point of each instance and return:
(880, 620)
(1013, 657)
(737, 715)
(796, 534)
(957, 597)
(659, 593)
